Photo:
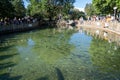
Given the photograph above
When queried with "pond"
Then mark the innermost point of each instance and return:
(54, 54)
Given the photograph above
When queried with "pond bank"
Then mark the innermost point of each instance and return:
(113, 27)
(13, 28)
(105, 33)
(17, 28)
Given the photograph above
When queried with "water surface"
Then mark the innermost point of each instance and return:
(53, 54)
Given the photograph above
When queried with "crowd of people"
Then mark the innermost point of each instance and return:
(109, 22)
(17, 21)
(103, 21)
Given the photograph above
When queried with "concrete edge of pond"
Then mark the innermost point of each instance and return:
(8, 29)
(100, 28)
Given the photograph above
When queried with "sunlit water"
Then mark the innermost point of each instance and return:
(52, 54)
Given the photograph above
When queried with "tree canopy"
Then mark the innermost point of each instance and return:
(76, 14)
(6, 8)
(19, 8)
(49, 8)
(102, 7)
(11, 8)
(89, 9)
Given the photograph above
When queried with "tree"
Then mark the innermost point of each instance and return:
(89, 9)
(6, 8)
(50, 8)
(37, 8)
(76, 14)
(105, 6)
(118, 5)
(19, 7)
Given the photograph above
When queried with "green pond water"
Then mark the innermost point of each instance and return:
(53, 54)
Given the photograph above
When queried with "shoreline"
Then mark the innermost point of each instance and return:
(95, 26)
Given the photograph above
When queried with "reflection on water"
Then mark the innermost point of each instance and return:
(109, 36)
(105, 56)
(31, 42)
(53, 54)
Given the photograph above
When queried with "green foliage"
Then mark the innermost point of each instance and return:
(19, 8)
(118, 5)
(49, 8)
(11, 8)
(37, 7)
(105, 6)
(89, 9)
(76, 14)
(100, 7)
(6, 8)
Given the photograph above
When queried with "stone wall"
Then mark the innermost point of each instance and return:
(18, 28)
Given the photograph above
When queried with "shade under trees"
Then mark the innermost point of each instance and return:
(11, 8)
(6, 8)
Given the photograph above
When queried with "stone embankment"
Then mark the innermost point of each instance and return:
(111, 32)
(113, 27)
(4, 29)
